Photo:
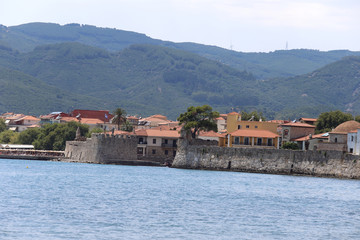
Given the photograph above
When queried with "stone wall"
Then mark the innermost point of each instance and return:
(102, 148)
(276, 161)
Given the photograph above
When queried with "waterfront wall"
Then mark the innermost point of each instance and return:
(101, 148)
(275, 161)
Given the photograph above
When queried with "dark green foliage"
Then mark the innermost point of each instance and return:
(330, 120)
(94, 130)
(54, 136)
(28, 136)
(7, 136)
(254, 115)
(290, 145)
(2, 125)
(200, 118)
(149, 79)
(127, 126)
(264, 65)
(119, 117)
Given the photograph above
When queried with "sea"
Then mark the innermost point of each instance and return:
(58, 200)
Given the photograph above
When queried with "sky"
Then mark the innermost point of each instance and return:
(240, 25)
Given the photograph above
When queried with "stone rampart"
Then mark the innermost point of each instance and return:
(102, 148)
(275, 161)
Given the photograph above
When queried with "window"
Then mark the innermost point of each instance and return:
(140, 150)
(174, 153)
(286, 132)
(246, 141)
(352, 138)
(351, 150)
(336, 140)
(237, 140)
(154, 141)
(166, 141)
(270, 142)
(166, 152)
(239, 126)
(247, 126)
(153, 151)
(259, 141)
(256, 126)
(141, 140)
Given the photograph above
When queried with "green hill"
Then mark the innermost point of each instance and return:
(143, 79)
(26, 37)
(23, 93)
(335, 86)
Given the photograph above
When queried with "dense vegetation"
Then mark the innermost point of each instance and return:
(263, 65)
(48, 137)
(150, 79)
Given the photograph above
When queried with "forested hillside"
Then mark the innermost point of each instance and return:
(160, 77)
(26, 37)
(143, 79)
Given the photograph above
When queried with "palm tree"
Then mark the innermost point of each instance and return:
(119, 117)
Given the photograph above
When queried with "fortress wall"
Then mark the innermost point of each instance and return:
(277, 161)
(102, 149)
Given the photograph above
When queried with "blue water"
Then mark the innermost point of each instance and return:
(54, 200)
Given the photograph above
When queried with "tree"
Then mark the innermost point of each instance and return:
(329, 120)
(2, 125)
(254, 116)
(127, 126)
(54, 136)
(200, 118)
(7, 136)
(28, 136)
(119, 117)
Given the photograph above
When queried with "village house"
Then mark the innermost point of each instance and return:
(157, 144)
(253, 138)
(338, 138)
(310, 141)
(251, 133)
(295, 130)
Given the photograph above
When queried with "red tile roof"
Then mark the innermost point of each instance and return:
(317, 136)
(99, 114)
(297, 124)
(233, 113)
(309, 119)
(210, 134)
(254, 133)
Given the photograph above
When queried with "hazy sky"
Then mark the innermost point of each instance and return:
(243, 25)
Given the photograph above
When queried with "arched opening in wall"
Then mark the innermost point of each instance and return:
(336, 139)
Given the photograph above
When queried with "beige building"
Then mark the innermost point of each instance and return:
(294, 130)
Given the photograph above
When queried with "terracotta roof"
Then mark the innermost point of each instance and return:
(220, 118)
(346, 127)
(309, 119)
(233, 113)
(158, 133)
(15, 117)
(29, 118)
(210, 134)
(254, 133)
(297, 124)
(91, 121)
(133, 117)
(99, 114)
(68, 119)
(317, 136)
(223, 115)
